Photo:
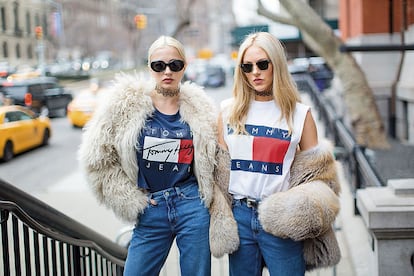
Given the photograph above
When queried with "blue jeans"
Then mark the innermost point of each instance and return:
(259, 248)
(172, 213)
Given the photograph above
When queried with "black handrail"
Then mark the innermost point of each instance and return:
(53, 234)
(45, 230)
(57, 221)
(361, 173)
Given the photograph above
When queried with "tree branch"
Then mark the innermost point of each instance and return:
(181, 26)
(261, 10)
(184, 16)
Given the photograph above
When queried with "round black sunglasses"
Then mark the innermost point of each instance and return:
(175, 65)
(248, 67)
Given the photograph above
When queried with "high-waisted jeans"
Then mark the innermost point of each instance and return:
(282, 257)
(172, 213)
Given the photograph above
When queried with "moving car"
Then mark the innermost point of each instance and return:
(20, 130)
(41, 94)
(83, 105)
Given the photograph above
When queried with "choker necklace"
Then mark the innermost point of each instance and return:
(167, 92)
(263, 93)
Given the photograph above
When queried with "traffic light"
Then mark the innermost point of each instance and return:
(141, 21)
(39, 32)
(234, 55)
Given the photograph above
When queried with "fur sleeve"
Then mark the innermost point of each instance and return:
(100, 162)
(310, 206)
(224, 238)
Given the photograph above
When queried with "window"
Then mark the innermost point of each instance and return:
(28, 24)
(29, 52)
(16, 16)
(12, 116)
(5, 50)
(3, 19)
(18, 53)
(37, 20)
(24, 116)
(15, 116)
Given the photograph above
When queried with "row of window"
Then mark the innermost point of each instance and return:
(18, 51)
(29, 27)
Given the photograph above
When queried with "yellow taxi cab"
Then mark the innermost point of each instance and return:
(20, 130)
(83, 105)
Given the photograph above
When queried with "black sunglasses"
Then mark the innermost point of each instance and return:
(175, 65)
(248, 67)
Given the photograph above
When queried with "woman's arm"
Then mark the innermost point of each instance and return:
(220, 137)
(309, 137)
(100, 162)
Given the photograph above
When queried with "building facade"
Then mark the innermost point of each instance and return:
(18, 20)
(76, 29)
(387, 27)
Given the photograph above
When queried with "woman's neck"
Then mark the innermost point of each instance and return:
(165, 104)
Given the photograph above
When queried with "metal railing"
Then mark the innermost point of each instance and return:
(39, 240)
(359, 171)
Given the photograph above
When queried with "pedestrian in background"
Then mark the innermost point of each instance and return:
(282, 180)
(149, 155)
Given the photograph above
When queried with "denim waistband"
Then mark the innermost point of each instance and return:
(173, 190)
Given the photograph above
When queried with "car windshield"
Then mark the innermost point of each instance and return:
(14, 90)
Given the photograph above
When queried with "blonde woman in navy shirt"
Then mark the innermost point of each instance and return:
(149, 154)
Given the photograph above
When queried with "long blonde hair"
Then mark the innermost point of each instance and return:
(284, 88)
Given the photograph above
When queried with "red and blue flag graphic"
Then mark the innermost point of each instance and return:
(262, 151)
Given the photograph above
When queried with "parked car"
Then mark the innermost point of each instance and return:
(205, 74)
(83, 105)
(316, 67)
(41, 94)
(20, 130)
(211, 76)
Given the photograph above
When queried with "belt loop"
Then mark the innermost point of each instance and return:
(251, 203)
(177, 190)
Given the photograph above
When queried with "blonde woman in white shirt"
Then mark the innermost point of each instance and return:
(264, 128)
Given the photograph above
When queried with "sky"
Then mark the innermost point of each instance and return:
(245, 11)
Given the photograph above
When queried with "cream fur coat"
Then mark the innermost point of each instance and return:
(306, 212)
(108, 158)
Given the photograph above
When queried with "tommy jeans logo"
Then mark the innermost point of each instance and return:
(168, 150)
(262, 151)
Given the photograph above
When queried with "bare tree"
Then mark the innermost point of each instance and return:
(184, 13)
(359, 99)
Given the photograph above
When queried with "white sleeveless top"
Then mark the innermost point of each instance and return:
(260, 161)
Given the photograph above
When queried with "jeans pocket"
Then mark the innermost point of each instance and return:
(190, 193)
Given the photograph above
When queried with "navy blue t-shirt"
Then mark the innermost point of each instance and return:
(165, 153)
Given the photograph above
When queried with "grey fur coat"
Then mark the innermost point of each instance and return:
(107, 153)
(307, 210)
